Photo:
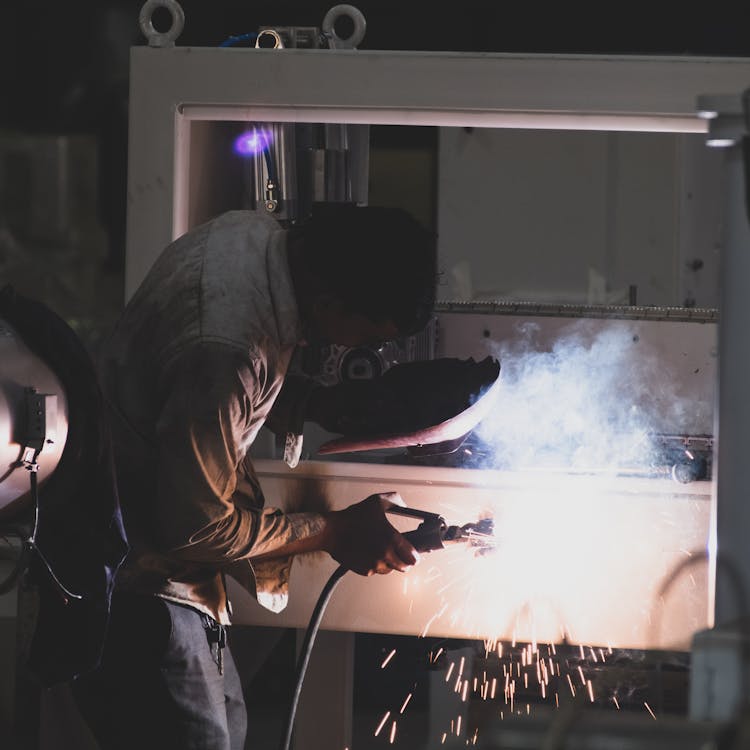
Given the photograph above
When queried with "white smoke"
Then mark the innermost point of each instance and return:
(592, 401)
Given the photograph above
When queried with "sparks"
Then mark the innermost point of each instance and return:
(450, 671)
(393, 733)
(382, 723)
(614, 698)
(591, 690)
(405, 704)
(432, 619)
(648, 708)
(570, 682)
(387, 659)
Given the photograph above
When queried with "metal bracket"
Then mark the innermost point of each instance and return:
(329, 22)
(156, 38)
(275, 36)
(38, 429)
(727, 122)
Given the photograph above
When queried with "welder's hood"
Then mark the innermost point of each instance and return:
(417, 404)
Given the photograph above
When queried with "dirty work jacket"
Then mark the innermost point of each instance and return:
(191, 372)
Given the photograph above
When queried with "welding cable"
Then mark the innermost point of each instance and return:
(33, 547)
(304, 657)
(232, 40)
(269, 158)
(426, 538)
(29, 546)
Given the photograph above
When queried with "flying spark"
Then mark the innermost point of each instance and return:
(406, 703)
(387, 659)
(382, 723)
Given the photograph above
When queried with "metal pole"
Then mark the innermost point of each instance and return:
(732, 502)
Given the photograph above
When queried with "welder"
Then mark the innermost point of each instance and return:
(197, 363)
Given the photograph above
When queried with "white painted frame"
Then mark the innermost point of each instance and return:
(171, 87)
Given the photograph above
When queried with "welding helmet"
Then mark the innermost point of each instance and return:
(416, 404)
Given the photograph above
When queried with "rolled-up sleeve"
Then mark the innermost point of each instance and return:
(216, 400)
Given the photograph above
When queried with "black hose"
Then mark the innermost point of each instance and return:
(424, 539)
(304, 657)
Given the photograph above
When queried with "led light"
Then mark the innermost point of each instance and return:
(252, 142)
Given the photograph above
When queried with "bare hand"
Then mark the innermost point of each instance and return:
(361, 539)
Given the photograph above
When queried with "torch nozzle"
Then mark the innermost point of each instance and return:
(480, 536)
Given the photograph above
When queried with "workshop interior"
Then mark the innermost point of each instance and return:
(585, 570)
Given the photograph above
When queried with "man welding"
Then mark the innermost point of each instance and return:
(196, 365)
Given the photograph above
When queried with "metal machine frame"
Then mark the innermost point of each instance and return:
(173, 87)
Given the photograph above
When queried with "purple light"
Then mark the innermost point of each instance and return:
(252, 142)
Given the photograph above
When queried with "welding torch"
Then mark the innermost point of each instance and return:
(433, 533)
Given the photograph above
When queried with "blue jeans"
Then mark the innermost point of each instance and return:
(165, 681)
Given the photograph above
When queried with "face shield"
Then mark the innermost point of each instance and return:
(429, 406)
